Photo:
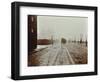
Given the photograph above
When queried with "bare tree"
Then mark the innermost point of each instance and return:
(86, 41)
(81, 36)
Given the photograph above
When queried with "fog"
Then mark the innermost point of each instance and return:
(62, 27)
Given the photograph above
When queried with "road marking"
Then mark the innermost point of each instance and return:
(70, 56)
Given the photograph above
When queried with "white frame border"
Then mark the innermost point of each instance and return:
(25, 70)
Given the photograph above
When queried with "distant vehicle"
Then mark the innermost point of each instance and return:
(63, 40)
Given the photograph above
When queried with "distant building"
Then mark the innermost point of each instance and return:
(44, 42)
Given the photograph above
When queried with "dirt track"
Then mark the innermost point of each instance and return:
(59, 54)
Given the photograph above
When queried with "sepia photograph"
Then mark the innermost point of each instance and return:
(53, 40)
(57, 40)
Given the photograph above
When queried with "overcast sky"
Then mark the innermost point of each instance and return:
(58, 27)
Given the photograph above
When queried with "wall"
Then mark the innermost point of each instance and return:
(5, 40)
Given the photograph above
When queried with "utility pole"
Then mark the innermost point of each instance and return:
(52, 39)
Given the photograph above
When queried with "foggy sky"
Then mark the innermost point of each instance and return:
(58, 27)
